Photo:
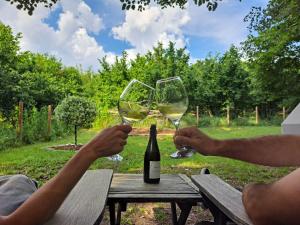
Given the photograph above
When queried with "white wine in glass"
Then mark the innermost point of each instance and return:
(131, 112)
(134, 104)
(172, 102)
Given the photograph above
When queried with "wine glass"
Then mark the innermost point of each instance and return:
(134, 105)
(172, 102)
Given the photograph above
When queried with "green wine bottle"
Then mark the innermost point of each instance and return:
(152, 159)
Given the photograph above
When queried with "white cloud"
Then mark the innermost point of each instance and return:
(72, 41)
(77, 25)
(224, 26)
(144, 29)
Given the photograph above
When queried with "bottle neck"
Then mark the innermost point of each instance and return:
(153, 134)
(152, 140)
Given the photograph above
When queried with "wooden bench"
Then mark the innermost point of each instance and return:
(86, 202)
(224, 201)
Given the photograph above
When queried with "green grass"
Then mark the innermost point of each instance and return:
(40, 164)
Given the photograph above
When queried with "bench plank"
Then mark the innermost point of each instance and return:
(86, 202)
(223, 196)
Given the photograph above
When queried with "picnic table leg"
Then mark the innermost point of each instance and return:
(185, 212)
(121, 208)
(174, 214)
(112, 213)
(219, 217)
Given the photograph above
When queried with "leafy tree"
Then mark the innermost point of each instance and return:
(204, 85)
(273, 49)
(30, 5)
(9, 77)
(110, 81)
(77, 112)
(160, 63)
(233, 81)
(45, 81)
(141, 4)
(9, 47)
(9, 93)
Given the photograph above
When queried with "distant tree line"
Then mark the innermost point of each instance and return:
(264, 72)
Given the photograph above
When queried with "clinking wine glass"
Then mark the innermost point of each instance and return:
(172, 102)
(134, 104)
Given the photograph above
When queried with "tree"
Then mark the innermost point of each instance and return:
(77, 112)
(233, 82)
(273, 49)
(30, 5)
(9, 77)
(45, 81)
(110, 81)
(204, 85)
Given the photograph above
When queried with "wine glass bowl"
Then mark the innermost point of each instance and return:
(134, 104)
(131, 112)
(172, 102)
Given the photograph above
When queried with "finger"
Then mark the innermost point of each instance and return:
(183, 141)
(123, 142)
(183, 131)
(123, 135)
(189, 132)
(125, 128)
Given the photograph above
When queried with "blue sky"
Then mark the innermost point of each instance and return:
(81, 31)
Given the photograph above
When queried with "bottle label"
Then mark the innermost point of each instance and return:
(154, 172)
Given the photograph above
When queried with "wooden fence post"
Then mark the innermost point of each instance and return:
(49, 120)
(20, 120)
(256, 115)
(197, 115)
(283, 113)
(228, 115)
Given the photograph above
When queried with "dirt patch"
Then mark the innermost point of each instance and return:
(70, 147)
(156, 214)
(134, 132)
(145, 132)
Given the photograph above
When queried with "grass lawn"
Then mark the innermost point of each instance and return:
(40, 164)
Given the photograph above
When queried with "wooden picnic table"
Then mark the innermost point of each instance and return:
(85, 204)
(177, 189)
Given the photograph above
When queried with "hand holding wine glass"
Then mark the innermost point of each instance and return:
(172, 102)
(134, 104)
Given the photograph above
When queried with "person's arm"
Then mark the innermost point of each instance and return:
(42, 205)
(277, 203)
(278, 150)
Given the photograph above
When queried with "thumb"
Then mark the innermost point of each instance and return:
(183, 141)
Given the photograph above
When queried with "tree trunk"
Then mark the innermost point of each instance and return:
(75, 132)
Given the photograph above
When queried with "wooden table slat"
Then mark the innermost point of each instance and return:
(86, 202)
(224, 196)
(171, 186)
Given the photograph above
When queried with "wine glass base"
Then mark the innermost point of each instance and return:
(182, 154)
(115, 158)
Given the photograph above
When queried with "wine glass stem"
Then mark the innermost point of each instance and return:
(176, 124)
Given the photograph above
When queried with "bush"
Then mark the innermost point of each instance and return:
(8, 136)
(35, 127)
(77, 112)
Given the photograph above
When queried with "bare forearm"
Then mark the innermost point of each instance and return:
(269, 150)
(43, 203)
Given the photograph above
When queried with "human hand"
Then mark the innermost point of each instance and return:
(194, 138)
(108, 142)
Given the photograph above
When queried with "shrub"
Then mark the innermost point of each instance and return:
(77, 112)
(35, 127)
(8, 136)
